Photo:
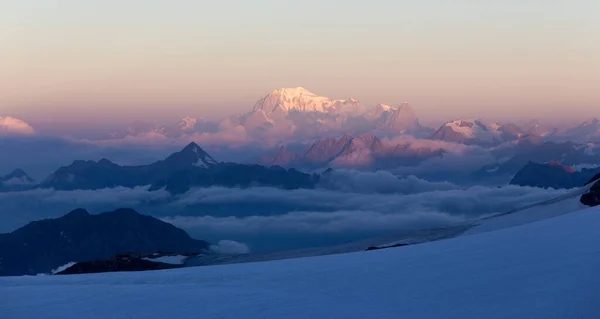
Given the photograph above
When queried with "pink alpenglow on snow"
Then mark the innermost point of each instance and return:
(12, 126)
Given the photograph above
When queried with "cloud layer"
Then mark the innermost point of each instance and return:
(350, 206)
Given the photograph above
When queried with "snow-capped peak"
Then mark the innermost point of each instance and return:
(298, 99)
(469, 131)
(198, 156)
(292, 92)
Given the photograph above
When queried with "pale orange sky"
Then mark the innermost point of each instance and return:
(113, 60)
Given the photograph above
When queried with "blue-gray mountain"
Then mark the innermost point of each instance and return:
(191, 167)
(552, 175)
(41, 246)
(566, 153)
(17, 179)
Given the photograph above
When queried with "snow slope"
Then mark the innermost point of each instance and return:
(301, 100)
(567, 203)
(473, 131)
(546, 269)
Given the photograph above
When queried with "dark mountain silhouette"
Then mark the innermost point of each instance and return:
(178, 173)
(592, 197)
(552, 175)
(236, 175)
(41, 246)
(124, 262)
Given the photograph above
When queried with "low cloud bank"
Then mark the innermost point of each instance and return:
(353, 205)
(380, 182)
(230, 247)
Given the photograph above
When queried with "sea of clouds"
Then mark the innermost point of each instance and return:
(348, 206)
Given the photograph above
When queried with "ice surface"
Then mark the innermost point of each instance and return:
(545, 269)
(561, 205)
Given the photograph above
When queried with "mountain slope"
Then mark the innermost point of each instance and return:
(41, 246)
(476, 132)
(567, 153)
(587, 131)
(545, 269)
(366, 152)
(552, 175)
(16, 177)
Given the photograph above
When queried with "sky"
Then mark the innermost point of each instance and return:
(112, 60)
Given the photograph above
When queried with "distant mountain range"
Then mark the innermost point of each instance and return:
(553, 175)
(367, 152)
(41, 246)
(566, 153)
(296, 114)
(187, 125)
(190, 167)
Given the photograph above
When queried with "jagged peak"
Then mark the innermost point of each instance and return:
(193, 147)
(194, 153)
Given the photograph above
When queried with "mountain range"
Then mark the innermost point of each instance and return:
(366, 152)
(565, 153)
(290, 114)
(553, 175)
(477, 132)
(296, 114)
(190, 167)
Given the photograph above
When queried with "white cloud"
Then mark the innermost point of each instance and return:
(315, 222)
(379, 182)
(230, 247)
(12, 126)
(265, 217)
